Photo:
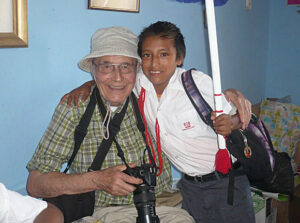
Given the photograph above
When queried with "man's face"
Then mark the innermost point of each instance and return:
(115, 77)
(159, 61)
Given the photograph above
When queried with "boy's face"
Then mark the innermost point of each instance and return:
(159, 61)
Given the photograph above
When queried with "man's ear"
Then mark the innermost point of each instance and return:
(92, 69)
(90, 65)
(179, 61)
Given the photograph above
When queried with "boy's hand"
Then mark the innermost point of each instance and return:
(73, 96)
(222, 124)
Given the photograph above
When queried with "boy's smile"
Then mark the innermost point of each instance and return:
(159, 61)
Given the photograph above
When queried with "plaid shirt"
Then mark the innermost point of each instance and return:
(57, 144)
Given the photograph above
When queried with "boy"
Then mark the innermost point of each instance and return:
(187, 141)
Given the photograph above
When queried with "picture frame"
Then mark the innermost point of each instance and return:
(15, 32)
(115, 5)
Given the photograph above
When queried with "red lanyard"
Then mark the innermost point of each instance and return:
(141, 103)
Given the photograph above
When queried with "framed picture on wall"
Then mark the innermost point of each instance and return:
(13, 23)
(116, 5)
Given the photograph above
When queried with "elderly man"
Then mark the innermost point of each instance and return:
(113, 63)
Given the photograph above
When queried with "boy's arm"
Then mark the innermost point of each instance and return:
(242, 104)
(82, 91)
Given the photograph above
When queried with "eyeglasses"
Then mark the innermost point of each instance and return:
(106, 68)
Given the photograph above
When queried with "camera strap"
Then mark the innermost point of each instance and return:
(140, 126)
(81, 128)
(81, 131)
(114, 128)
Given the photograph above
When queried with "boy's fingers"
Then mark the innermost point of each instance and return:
(64, 98)
(69, 102)
(84, 97)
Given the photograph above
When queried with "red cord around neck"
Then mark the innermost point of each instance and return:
(141, 103)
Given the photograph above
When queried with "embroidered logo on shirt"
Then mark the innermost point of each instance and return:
(187, 126)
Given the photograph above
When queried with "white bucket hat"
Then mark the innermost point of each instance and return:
(111, 41)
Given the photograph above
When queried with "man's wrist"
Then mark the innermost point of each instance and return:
(93, 178)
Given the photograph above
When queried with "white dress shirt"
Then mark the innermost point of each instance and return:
(187, 141)
(16, 208)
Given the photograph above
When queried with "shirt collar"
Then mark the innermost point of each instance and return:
(174, 83)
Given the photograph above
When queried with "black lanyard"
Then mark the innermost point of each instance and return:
(140, 126)
(114, 128)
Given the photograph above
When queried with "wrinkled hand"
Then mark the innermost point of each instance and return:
(82, 91)
(222, 124)
(116, 182)
(242, 104)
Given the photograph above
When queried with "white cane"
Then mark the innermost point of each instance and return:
(223, 163)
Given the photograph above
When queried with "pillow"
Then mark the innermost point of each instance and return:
(283, 122)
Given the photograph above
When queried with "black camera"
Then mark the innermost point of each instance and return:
(144, 195)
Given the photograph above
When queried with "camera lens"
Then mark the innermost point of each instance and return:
(144, 194)
(144, 200)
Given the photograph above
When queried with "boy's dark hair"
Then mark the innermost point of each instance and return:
(164, 30)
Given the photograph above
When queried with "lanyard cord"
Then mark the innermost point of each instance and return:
(141, 102)
(158, 146)
(105, 129)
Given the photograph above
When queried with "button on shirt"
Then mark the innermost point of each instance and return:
(187, 141)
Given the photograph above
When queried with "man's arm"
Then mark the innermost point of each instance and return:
(55, 148)
(243, 106)
(52, 184)
(55, 183)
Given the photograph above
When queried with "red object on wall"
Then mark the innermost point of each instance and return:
(293, 2)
